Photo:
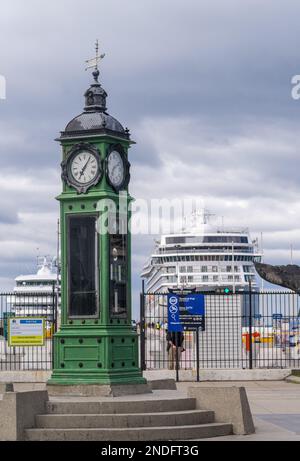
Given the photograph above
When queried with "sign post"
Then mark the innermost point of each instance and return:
(186, 312)
(197, 354)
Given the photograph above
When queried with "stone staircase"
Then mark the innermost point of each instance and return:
(163, 415)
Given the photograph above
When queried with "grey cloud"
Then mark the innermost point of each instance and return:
(222, 67)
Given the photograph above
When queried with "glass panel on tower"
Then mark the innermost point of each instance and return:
(82, 266)
(118, 270)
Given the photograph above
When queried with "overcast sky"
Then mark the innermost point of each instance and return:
(204, 86)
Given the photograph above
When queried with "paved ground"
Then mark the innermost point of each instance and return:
(275, 407)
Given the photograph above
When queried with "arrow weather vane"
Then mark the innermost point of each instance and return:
(93, 62)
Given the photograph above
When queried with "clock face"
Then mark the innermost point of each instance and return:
(84, 167)
(115, 169)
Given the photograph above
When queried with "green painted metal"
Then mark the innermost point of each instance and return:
(98, 350)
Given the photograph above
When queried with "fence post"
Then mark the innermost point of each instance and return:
(54, 320)
(250, 327)
(197, 354)
(177, 361)
(142, 328)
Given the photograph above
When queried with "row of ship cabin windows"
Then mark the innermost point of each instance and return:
(35, 284)
(207, 239)
(192, 281)
(190, 269)
(167, 259)
(207, 278)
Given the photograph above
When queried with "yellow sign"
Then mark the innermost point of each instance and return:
(26, 331)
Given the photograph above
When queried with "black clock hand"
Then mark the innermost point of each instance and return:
(84, 168)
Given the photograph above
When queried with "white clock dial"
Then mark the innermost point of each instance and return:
(84, 167)
(115, 166)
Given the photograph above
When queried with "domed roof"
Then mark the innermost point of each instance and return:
(94, 119)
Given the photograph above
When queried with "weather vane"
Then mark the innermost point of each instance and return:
(94, 61)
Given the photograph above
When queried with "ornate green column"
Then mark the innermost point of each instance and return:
(96, 343)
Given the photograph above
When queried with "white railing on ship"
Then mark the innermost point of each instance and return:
(204, 250)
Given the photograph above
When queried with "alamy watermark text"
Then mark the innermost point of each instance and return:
(2, 87)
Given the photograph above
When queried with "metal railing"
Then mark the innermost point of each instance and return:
(244, 330)
(29, 305)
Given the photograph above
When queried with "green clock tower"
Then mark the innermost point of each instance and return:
(95, 344)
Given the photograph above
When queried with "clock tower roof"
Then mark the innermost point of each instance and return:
(95, 119)
(91, 121)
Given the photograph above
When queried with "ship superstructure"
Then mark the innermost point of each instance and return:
(204, 257)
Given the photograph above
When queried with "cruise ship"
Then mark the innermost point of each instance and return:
(204, 257)
(42, 281)
(210, 259)
(33, 293)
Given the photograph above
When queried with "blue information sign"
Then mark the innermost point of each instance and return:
(173, 313)
(186, 312)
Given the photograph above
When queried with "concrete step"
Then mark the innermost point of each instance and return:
(200, 431)
(120, 406)
(293, 379)
(6, 387)
(179, 418)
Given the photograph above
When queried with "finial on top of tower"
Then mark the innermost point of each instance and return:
(93, 62)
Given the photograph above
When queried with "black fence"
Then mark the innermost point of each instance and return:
(14, 306)
(244, 330)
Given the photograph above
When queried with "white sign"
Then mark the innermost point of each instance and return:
(25, 331)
